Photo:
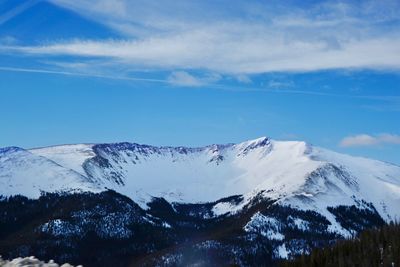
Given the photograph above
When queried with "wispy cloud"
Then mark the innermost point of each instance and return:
(248, 38)
(243, 78)
(277, 84)
(210, 50)
(370, 140)
(183, 78)
(178, 78)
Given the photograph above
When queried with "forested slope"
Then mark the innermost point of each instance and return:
(374, 247)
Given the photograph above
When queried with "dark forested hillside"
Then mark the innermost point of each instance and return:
(109, 229)
(374, 247)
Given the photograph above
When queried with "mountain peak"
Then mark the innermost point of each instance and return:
(249, 145)
(261, 141)
(10, 149)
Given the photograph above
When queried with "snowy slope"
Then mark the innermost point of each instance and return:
(69, 156)
(22, 172)
(374, 181)
(293, 173)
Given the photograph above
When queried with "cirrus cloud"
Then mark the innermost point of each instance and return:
(247, 38)
(226, 52)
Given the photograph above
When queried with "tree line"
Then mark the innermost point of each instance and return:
(371, 248)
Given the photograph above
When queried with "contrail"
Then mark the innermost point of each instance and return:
(11, 69)
(17, 10)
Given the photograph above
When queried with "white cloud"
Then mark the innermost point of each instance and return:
(247, 38)
(390, 138)
(183, 78)
(276, 84)
(243, 78)
(221, 51)
(368, 140)
(359, 140)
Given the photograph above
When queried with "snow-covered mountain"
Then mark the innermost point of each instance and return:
(292, 173)
(256, 200)
(28, 174)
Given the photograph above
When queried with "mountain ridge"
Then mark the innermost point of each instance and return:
(292, 173)
(277, 199)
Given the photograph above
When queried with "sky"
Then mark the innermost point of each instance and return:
(193, 73)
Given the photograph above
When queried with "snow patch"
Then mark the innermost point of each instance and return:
(281, 252)
(59, 228)
(266, 226)
(299, 223)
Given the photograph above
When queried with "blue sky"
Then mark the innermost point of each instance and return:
(200, 72)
